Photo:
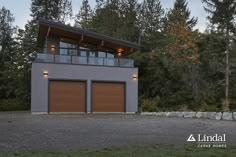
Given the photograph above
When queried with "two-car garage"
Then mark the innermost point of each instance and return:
(83, 89)
(71, 96)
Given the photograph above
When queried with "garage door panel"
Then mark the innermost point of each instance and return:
(108, 97)
(67, 96)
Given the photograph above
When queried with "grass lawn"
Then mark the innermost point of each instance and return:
(138, 151)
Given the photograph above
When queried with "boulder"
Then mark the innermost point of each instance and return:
(179, 114)
(160, 114)
(189, 114)
(234, 115)
(171, 114)
(227, 116)
(211, 115)
(218, 116)
(201, 114)
(148, 113)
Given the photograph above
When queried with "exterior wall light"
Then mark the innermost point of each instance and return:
(45, 74)
(53, 48)
(135, 77)
(119, 50)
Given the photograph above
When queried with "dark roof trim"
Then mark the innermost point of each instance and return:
(89, 33)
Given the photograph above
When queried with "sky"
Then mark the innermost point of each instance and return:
(21, 10)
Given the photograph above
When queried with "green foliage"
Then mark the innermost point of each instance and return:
(58, 10)
(13, 105)
(116, 19)
(222, 19)
(212, 68)
(150, 22)
(7, 54)
(182, 85)
(149, 105)
(182, 7)
(221, 14)
(83, 18)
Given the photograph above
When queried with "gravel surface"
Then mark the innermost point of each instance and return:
(21, 131)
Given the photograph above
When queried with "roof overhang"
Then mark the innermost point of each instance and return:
(84, 38)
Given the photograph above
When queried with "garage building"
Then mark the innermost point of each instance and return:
(78, 71)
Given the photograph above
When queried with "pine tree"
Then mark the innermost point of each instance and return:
(152, 13)
(223, 16)
(182, 6)
(6, 52)
(6, 33)
(150, 21)
(182, 46)
(84, 16)
(65, 10)
(179, 31)
(107, 18)
(128, 20)
(211, 46)
(57, 10)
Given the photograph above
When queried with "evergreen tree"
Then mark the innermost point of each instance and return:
(107, 18)
(6, 33)
(116, 18)
(223, 16)
(6, 52)
(150, 20)
(56, 10)
(128, 20)
(182, 5)
(182, 39)
(84, 16)
(182, 47)
(65, 10)
(152, 13)
(211, 68)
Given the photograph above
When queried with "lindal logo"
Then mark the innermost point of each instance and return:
(207, 138)
(208, 141)
(191, 138)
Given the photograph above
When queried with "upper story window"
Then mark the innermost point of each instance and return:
(102, 54)
(92, 54)
(68, 47)
(83, 53)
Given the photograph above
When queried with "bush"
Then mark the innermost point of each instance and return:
(232, 106)
(13, 105)
(149, 105)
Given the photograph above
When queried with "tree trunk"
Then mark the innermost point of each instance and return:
(226, 105)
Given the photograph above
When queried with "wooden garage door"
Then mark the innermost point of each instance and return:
(67, 96)
(108, 97)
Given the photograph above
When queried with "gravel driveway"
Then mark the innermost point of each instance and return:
(23, 131)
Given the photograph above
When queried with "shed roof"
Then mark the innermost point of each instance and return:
(83, 37)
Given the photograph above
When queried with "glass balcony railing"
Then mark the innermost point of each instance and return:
(64, 59)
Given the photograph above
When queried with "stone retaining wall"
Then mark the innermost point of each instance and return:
(204, 115)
